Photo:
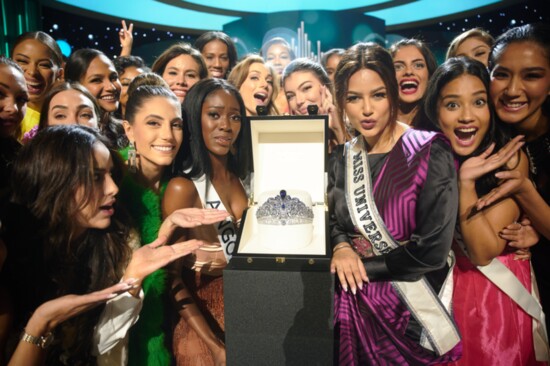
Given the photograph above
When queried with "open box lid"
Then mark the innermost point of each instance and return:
(290, 152)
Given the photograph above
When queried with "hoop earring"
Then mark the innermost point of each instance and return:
(133, 157)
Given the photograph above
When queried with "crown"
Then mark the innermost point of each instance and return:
(284, 210)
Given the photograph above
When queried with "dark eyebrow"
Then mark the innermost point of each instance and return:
(154, 116)
(95, 75)
(457, 96)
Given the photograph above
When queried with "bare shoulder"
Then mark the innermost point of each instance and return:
(180, 193)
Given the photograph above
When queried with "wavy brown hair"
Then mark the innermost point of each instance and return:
(369, 56)
(49, 170)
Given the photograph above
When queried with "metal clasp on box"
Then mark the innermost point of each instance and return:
(280, 259)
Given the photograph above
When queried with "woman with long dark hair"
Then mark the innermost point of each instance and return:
(393, 199)
(213, 161)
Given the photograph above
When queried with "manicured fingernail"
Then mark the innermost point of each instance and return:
(345, 287)
(354, 290)
(360, 286)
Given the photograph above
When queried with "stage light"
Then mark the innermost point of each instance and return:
(65, 47)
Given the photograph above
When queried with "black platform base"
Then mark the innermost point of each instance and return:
(278, 318)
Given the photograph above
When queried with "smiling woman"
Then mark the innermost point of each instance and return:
(219, 52)
(414, 64)
(42, 62)
(96, 72)
(181, 66)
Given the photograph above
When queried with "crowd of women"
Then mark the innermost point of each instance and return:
(123, 186)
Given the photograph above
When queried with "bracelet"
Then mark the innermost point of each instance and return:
(340, 246)
(41, 341)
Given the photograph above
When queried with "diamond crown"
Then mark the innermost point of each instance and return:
(284, 209)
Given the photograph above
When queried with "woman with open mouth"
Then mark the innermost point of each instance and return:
(97, 73)
(181, 66)
(40, 58)
(214, 158)
(258, 84)
(414, 64)
(491, 317)
(65, 224)
(306, 83)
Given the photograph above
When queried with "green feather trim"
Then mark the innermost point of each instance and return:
(147, 341)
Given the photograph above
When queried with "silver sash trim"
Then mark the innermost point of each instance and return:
(439, 333)
(227, 233)
(507, 282)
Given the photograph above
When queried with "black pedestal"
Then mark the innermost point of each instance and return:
(278, 317)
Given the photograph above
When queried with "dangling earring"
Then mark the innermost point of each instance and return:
(132, 157)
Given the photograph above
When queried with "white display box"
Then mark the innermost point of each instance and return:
(290, 153)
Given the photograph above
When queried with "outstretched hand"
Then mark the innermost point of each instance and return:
(189, 218)
(477, 166)
(56, 311)
(156, 255)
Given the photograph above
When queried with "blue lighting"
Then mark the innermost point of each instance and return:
(154, 12)
(65, 47)
(427, 9)
(256, 6)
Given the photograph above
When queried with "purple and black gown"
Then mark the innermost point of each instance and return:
(417, 199)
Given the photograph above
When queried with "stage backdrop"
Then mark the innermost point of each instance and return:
(332, 28)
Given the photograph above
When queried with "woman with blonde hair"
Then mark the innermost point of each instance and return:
(258, 84)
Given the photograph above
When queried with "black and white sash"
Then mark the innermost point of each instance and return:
(439, 333)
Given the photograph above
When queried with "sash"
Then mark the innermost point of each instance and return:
(439, 333)
(507, 282)
(227, 233)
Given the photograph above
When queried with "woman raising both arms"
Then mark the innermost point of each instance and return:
(493, 304)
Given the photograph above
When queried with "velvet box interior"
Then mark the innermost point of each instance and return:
(289, 153)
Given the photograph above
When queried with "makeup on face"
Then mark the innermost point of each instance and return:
(221, 122)
(463, 113)
(520, 84)
(181, 73)
(13, 100)
(70, 107)
(216, 56)
(101, 80)
(257, 88)
(412, 75)
(39, 69)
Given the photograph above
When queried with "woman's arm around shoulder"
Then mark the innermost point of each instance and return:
(480, 229)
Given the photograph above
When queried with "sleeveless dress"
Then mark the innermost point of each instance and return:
(494, 329)
(148, 345)
(203, 276)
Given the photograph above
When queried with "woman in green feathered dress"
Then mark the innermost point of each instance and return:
(153, 124)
